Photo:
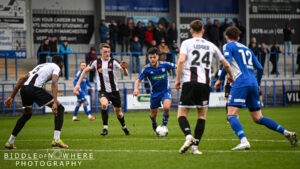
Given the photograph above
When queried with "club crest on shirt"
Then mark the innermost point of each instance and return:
(99, 65)
(100, 70)
(151, 72)
(163, 69)
(110, 65)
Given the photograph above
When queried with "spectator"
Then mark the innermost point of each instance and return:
(131, 30)
(139, 31)
(91, 56)
(174, 50)
(160, 33)
(53, 45)
(65, 50)
(222, 30)
(125, 32)
(243, 32)
(207, 30)
(263, 51)
(287, 38)
(172, 33)
(45, 47)
(214, 33)
(298, 60)
(254, 48)
(164, 49)
(113, 33)
(112, 48)
(274, 56)
(104, 31)
(149, 34)
(153, 44)
(135, 46)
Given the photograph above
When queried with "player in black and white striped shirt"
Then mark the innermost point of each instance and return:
(107, 85)
(32, 90)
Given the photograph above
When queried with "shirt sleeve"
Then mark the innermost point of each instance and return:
(93, 65)
(56, 70)
(183, 48)
(228, 56)
(117, 64)
(169, 65)
(143, 74)
(217, 53)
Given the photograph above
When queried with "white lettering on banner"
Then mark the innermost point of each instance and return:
(217, 99)
(69, 102)
(6, 39)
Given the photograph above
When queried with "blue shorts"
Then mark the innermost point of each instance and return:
(239, 97)
(81, 97)
(157, 98)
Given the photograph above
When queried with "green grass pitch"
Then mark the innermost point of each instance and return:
(143, 149)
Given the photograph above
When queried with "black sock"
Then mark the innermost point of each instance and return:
(20, 123)
(226, 108)
(199, 130)
(104, 114)
(59, 119)
(184, 125)
(122, 121)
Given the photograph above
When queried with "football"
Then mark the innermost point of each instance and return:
(162, 131)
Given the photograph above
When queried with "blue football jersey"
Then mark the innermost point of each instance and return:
(85, 81)
(243, 62)
(158, 76)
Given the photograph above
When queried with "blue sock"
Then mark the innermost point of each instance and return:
(86, 110)
(271, 124)
(76, 111)
(236, 126)
(153, 119)
(165, 119)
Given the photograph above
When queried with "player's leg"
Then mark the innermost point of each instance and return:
(167, 100)
(153, 115)
(155, 103)
(76, 110)
(91, 117)
(185, 128)
(116, 102)
(237, 99)
(199, 129)
(104, 114)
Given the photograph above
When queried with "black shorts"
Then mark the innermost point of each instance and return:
(194, 95)
(113, 97)
(30, 94)
(227, 89)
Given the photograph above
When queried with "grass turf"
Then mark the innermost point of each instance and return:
(143, 149)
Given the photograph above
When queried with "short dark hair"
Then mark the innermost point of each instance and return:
(153, 50)
(103, 45)
(232, 33)
(57, 59)
(196, 25)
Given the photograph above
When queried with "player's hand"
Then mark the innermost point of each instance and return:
(54, 108)
(230, 78)
(177, 84)
(9, 102)
(123, 64)
(75, 90)
(136, 92)
(93, 89)
(217, 85)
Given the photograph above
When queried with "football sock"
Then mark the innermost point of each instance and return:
(226, 108)
(12, 139)
(20, 124)
(59, 119)
(86, 110)
(153, 119)
(236, 126)
(165, 119)
(104, 114)
(199, 130)
(271, 124)
(184, 125)
(56, 135)
(122, 121)
(76, 111)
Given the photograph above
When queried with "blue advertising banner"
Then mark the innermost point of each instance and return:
(211, 6)
(13, 54)
(137, 6)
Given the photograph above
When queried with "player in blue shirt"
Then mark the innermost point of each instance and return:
(157, 73)
(245, 88)
(81, 93)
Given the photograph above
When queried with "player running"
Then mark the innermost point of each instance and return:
(81, 93)
(157, 73)
(245, 89)
(193, 69)
(32, 90)
(107, 84)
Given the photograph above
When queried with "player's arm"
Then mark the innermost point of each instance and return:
(180, 65)
(54, 88)
(136, 87)
(84, 72)
(124, 68)
(10, 99)
(259, 69)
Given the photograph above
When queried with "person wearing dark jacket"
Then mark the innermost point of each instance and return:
(53, 45)
(298, 60)
(139, 31)
(287, 38)
(214, 33)
(91, 56)
(263, 51)
(135, 46)
(45, 47)
(160, 33)
(275, 50)
(104, 31)
(124, 34)
(172, 34)
(113, 33)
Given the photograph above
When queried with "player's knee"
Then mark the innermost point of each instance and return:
(28, 111)
(166, 110)
(26, 116)
(104, 106)
(78, 104)
(60, 109)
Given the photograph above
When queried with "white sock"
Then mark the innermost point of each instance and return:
(194, 147)
(286, 133)
(188, 137)
(89, 116)
(74, 117)
(56, 135)
(124, 127)
(244, 140)
(105, 127)
(11, 139)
